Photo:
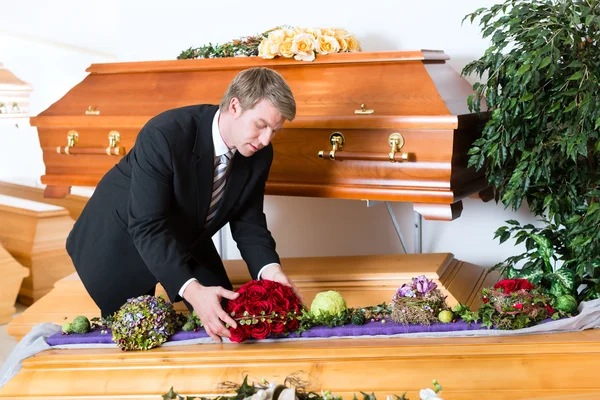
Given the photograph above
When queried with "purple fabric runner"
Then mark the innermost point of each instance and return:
(368, 329)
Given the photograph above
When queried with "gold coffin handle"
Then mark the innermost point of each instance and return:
(363, 110)
(92, 111)
(337, 140)
(72, 139)
(113, 149)
(396, 142)
(114, 138)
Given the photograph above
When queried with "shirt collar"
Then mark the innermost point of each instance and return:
(220, 146)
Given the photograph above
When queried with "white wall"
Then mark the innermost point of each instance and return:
(50, 44)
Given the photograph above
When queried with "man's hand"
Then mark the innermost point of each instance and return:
(206, 301)
(275, 273)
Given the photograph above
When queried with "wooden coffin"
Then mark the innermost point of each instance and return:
(506, 368)
(12, 276)
(388, 126)
(495, 368)
(35, 234)
(557, 366)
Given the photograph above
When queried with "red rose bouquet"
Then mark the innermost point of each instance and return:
(515, 296)
(511, 304)
(509, 286)
(514, 304)
(263, 308)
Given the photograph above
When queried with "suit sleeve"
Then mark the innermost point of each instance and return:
(249, 228)
(148, 205)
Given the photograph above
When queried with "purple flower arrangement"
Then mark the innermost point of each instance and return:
(420, 287)
(144, 322)
(418, 302)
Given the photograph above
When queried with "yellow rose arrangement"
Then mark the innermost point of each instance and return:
(305, 43)
(301, 43)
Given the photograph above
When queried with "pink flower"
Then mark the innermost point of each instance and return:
(423, 285)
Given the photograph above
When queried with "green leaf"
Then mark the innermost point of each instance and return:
(557, 289)
(527, 97)
(554, 107)
(571, 106)
(367, 396)
(576, 76)
(592, 209)
(565, 277)
(246, 390)
(171, 394)
(545, 62)
(533, 274)
(523, 69)
(545, 249)
(474, 150)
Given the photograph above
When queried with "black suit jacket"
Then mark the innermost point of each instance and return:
(146, 217)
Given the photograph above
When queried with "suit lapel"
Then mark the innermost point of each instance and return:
(204, 165)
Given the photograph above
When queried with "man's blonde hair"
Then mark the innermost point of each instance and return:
(252, 85)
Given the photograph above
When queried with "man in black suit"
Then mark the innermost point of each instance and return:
(152, 216)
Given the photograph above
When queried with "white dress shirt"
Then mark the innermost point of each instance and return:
(220, 149)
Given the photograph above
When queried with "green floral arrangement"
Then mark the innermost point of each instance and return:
(419, 302)
(514, 304)
(293, 388)
(378, 313)
(243, 47)
(329, 309)
(143, 323)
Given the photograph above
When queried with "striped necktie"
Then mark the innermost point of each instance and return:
(218, 184)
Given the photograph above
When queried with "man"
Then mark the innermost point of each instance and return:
(152, 216)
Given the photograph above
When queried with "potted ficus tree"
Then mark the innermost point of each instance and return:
(541, 83)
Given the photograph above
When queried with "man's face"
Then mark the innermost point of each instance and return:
(254, 128)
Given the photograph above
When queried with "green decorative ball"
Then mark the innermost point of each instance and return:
(66, 327)
(566, 303)
(80, 325)
(358, 318)
(189, 326)
(445, 316)
(330, 302)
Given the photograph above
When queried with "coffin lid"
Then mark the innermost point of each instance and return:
(14, 97)
(401, 87)
(10, 82)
